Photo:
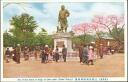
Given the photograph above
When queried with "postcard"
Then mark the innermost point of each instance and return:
(68, 40)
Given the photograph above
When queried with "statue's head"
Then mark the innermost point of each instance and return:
(62, 7)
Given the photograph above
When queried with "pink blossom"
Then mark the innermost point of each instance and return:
(99, 23)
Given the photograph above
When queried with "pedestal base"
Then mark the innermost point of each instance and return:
(61, 39)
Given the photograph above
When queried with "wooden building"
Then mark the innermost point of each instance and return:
(110, 43)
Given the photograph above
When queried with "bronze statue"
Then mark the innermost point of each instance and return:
(62, 19)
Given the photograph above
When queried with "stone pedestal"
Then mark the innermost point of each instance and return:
(61, 39)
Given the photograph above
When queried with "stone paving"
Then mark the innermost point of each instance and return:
(109, 66)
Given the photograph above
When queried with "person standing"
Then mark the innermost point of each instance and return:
(35, 54)
(80, 53)
(46, 52)
(101, 51)
(14, 54)
(50, 55)
(64, 53)
(43, 56)
(7, 53)
(90, 55)
(56, 54)
(85, 55)
(18, 53)
(105, 50)
(26, 54)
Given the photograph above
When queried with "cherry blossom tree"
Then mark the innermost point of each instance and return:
(108, 23)
(102, 24)
(81, 29)
(112, 24)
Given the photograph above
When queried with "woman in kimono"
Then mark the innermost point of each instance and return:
(50, 57)
(91, 55)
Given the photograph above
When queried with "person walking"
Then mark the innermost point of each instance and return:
(35, 54)
(26, 54)
(14, 54)
(18, 53)
(56, 54)
(101, 51)
(46, 52)
(90, 55)
(64, 53)
(50, 58)
(43, 56)
(85, 55)
(80, 53)
(105, 50)
(7, 53)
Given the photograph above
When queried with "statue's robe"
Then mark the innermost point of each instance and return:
(63, 14)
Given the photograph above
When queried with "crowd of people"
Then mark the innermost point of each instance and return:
(87, 53)
(47, 54)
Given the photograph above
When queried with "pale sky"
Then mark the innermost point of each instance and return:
(46, 14)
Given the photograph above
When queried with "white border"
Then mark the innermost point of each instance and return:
(63, 0)
(109, 78)
(1, 41)
(125, 39)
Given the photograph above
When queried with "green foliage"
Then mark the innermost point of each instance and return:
(9, 40)
(44, 39)
(23, 33)
(82, 39)
(117, 34)
(24, 26)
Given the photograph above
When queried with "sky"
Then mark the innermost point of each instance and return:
(46, 14)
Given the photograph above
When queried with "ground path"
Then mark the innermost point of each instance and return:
(110, 66)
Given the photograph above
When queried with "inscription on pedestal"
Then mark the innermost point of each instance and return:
(60, 43)
(61, 39)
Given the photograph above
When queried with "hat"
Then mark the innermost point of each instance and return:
(90, 47)
(18, 44)
(46, 45)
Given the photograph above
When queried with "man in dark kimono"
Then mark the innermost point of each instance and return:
(101, 51)
(85, 55)
(7, 53)
(14, 54)
(18, 54)
(43, 56)
(64, 53)
(46, 52)
(80, 53)
(26, 56)
(56, 54)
